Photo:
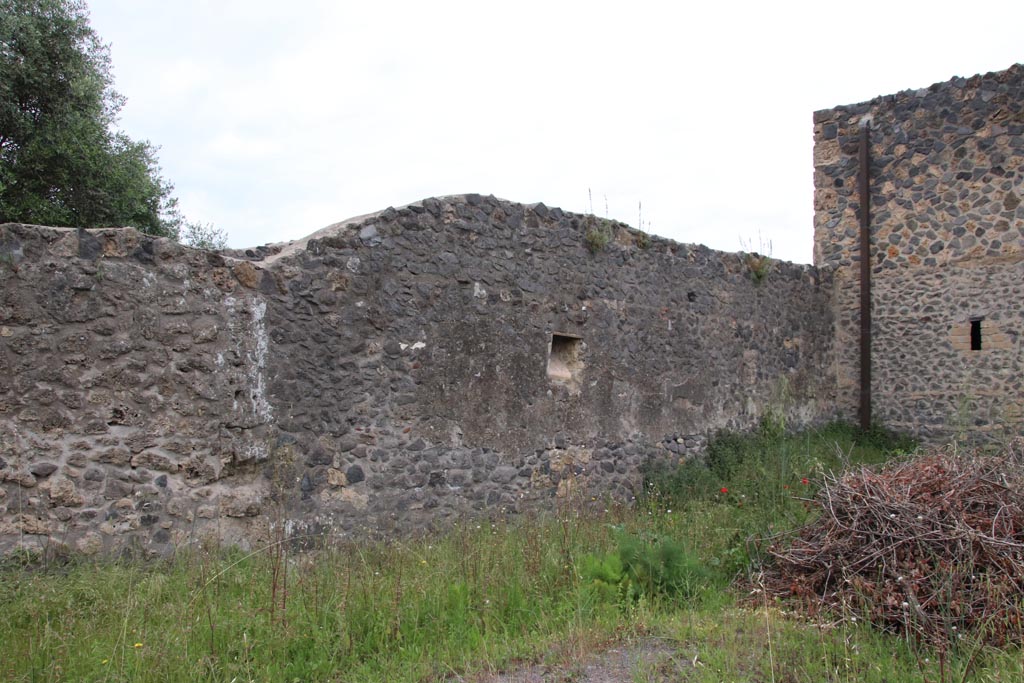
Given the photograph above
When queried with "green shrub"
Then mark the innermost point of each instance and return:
(760, 266)
(651, 569)
(750, 486)
(598, 234)
(880, 438)
(728, 451)
(769, 461)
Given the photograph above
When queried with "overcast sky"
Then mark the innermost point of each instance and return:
(277, 118)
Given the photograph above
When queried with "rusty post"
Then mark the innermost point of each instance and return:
(864, 191)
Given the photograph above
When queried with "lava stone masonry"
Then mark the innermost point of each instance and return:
(469, 357)
(456, 357)
(947, 252)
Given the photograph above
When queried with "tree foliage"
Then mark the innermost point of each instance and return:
(61, 160)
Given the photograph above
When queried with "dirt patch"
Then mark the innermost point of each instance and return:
(649, 659)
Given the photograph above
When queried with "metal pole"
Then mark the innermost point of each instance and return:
(865, 277)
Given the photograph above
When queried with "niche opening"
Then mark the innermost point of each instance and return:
(564, 362)
(976, 334)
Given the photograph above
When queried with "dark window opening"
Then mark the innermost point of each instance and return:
(976, 335)
(564, 357)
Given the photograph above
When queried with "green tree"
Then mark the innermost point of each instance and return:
(61, 160)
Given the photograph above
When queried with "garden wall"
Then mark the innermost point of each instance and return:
(471, 355)
(462, 354)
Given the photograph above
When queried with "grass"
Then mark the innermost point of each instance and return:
(598, 233)
(484, 596)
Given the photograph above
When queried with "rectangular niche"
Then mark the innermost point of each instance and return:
(976, 334)
(564, 364)
(980, 335)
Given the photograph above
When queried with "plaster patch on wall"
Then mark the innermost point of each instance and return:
(258, 359)
(256, 451)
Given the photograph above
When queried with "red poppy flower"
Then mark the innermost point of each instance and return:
(724, 490)
(805, 481)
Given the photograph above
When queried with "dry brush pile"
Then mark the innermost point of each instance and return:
(931, 546)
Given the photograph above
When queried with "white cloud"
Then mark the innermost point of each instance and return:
(234, 146)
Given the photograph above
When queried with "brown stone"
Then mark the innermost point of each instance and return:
(20, 477)
(64, 492)
(223, 279)
(246, 274)
(114, 456)
(154, 461)
(90, 543)
(336, 477)
(30, 524)
(240, 505)
(178, 508)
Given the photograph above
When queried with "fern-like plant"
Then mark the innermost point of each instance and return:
(649, 569)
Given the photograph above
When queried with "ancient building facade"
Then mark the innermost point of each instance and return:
(946, 181)
(467, 354)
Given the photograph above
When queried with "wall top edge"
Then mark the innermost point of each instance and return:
(268, 254)
(1014, 75)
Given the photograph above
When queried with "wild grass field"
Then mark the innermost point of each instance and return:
(679, 568)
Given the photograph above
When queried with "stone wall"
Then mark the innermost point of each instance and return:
(459, 355)
(947, 252)
(471, 355)
(132, 380)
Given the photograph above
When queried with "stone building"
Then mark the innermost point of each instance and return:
(946, 179)
(469, 354)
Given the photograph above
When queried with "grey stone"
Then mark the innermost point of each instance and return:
(504, 474)
(42, 469)
(368, 233)
(354, 474)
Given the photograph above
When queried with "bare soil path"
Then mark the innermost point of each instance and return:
(650, 660)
